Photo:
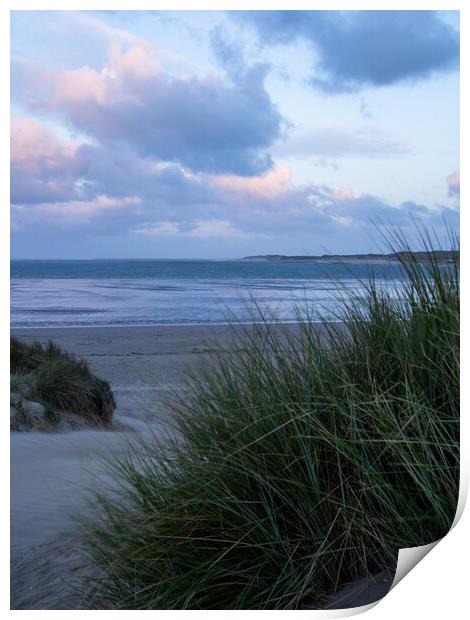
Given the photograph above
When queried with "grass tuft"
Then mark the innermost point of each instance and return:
(56, 379)
(306, 462)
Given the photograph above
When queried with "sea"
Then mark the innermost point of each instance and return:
(97, 293)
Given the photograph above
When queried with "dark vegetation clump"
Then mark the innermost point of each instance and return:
(306, 462)
(59, 381)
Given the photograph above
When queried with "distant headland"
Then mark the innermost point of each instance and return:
(442, 256)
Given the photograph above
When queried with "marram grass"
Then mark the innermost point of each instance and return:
(59, 380)
(304, 463)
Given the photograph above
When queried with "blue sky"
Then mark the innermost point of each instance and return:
(220, 134)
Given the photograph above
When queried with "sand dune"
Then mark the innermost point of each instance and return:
(52, 474)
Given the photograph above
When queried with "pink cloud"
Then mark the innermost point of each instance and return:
(453, 183)
(34, 146)
(43, 167)
(141, 60)
(268, 185)
(341, 194)
(138, 62)
(81, 85)
(205, 124)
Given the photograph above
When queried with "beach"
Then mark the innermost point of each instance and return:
(52, 474)
(142, 365)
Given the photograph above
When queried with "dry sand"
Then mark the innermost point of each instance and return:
(49, 472)
(52, 474)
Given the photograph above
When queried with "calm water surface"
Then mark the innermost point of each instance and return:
(168, 292)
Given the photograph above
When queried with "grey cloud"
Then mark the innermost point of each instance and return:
(94, 170)
(355, 49)
(42, 169)
(228, 53)
(323, 162)
(205, 125)
(25, 189)
(138, 191)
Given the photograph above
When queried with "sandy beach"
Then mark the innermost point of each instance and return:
(142, 365)
(52, 474)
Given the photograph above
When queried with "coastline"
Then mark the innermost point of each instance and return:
(222, 324)
(52, 474)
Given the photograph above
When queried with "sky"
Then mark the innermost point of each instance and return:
(146, 134)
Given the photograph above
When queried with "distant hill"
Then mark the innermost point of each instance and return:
(443, 256)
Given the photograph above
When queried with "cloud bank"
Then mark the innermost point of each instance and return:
(356, 49)
(127, 150)
(98, 190)
(205, 124)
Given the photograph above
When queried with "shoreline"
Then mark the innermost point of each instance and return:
(169, 325)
